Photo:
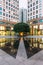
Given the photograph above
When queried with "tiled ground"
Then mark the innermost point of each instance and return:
(6, 59)
(21, 50)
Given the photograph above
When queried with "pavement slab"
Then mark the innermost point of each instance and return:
(21, 50)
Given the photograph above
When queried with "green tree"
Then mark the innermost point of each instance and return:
(21, 27)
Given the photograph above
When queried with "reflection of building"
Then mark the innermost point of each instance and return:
(35, 16)
(36, 42)
(23, 15)
(9, 14)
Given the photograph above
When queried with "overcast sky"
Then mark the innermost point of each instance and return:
(23, 3)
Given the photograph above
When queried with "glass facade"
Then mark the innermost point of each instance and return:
(36, 28)
(40, 20)
(0, 8)
(0, 13)
(6, 30)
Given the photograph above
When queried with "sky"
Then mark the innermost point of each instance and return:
(23, 4)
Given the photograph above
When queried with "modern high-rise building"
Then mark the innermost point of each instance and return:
(9, 10)
(23, 15)
(9, 15)
(35, 16)
(35, 9)
(35, 20)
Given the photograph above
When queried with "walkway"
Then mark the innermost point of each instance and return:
(6, 59)
(21, 50)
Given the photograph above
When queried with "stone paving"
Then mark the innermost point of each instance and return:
(21, 50)
(6, 59)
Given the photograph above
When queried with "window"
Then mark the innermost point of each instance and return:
(33, 4)
(9, 15)
(3, 9)
(36, 7)
(28, 2)
(28, 10)
(9, 12)
(36, 11)
(0, 8)
(33, 16)
(6, 7)
(30, 17)
(30, 14)
(31, 0)
(6, 2)
(12, 6)
(40, 15)
(36, 2)
(0, 13)
(9, 0)
(4, 14)
(9, 8)
(40, 20)
(33, 8)
(9, 4)
(0, 18)
(36, 16)
(30, 5)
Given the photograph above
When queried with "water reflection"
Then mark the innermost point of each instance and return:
(33, 45)
(35, 42)
(9, 45)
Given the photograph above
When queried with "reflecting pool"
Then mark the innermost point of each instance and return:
(9, 45)
(32, 45)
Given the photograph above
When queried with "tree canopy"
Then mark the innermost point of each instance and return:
(21, 27)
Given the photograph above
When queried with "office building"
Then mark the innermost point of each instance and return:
(35, 9)
(35, 16)
(9, 10)
(9, 13)
(35, 20)
(23, 15)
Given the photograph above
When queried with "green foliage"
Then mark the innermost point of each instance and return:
(21, 27)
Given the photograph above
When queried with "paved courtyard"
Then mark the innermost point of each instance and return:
(6, 59)
(21, 50)
(21, 58)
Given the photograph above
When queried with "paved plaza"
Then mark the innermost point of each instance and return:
(6, 59)
(21, 50)
(21, 58)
